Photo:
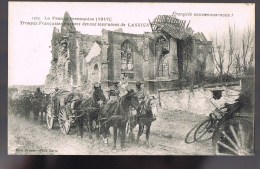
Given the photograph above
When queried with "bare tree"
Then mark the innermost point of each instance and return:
(247, 41)
(218, 57)
(245, 59)
(231, 33)
(238, 66)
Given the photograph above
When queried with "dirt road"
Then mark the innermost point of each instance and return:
(167, 138)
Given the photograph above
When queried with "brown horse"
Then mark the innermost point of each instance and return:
(89, 109)
(117, 116)
(145, 119)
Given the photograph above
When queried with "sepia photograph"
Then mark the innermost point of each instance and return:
(110, 78)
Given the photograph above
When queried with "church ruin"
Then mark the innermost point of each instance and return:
(168, 56)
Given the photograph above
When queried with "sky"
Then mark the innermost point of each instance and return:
(29, 46)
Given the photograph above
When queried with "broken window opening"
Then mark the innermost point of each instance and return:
(127, 56)
(162, 49)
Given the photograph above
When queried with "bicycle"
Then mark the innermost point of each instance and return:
(204, 130)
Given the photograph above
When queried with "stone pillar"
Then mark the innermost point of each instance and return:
(146, 57)
(104, 62)
(173, 65)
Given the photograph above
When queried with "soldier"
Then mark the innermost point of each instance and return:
(54, 98)
(38, 94)
(114, 95)
(71, 99)
(123, 85)
(141, 94)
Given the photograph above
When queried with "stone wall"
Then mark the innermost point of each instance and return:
(196, 101)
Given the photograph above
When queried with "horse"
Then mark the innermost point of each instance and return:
(22, 104)
(145, 118)
(117, 116)
(88, 110)
(39, 105)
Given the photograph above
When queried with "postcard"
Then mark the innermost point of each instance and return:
(88, 78)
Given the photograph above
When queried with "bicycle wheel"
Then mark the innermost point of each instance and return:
(204, 131)
(190, 135)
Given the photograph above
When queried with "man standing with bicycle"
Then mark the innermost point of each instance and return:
(223, 105)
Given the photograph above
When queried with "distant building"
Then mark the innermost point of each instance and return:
(160, 59)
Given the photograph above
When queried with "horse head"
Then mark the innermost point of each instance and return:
(151, 107)
(98, 97)
(132, 98)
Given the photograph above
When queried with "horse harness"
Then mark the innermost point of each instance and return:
(119, 105)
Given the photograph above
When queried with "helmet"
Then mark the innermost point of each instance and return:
(38, 89)
(56, 89)
(138, 83)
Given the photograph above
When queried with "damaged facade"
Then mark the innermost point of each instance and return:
(161, 59)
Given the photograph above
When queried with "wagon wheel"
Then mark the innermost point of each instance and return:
(204, 131)
(49, 117)
(234, 137)
(64, 121)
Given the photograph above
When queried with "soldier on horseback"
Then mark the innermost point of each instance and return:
(142, 95)
(38, 94)
(71, 100)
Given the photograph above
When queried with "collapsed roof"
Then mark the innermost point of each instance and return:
(171, 25)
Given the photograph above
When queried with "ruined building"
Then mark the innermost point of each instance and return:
(162, 59)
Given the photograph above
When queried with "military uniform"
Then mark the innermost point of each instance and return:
(114, 96)
(123, 85)
(38, 94)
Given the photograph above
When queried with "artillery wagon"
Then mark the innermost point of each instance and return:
(63, 109)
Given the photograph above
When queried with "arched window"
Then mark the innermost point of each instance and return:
(162, 49)
(96, 67)
(96, 72)
(127, 56)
